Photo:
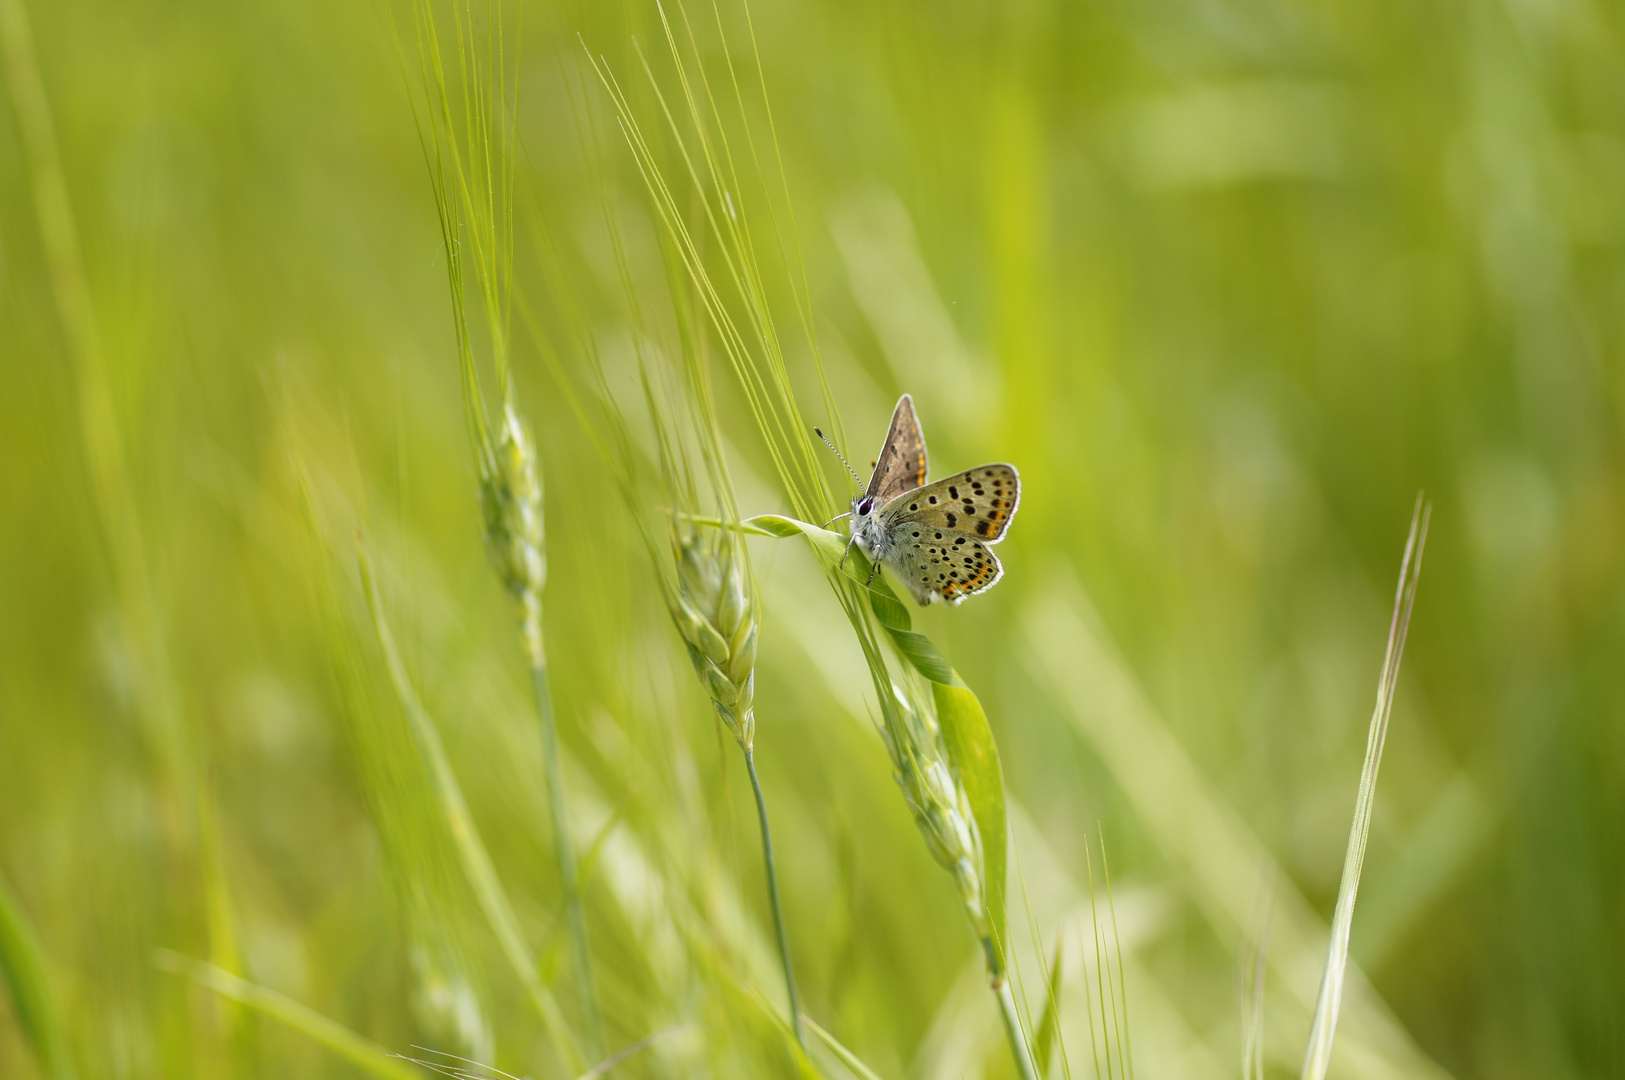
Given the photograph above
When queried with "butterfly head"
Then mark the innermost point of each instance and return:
(864, 524)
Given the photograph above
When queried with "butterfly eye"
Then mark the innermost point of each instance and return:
(865, 506)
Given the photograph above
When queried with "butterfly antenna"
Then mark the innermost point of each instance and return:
(840, 455)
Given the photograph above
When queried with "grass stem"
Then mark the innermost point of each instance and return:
(568, 877)
(1012, 1031)
(773, 898)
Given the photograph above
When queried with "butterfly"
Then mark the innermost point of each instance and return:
(936, 538)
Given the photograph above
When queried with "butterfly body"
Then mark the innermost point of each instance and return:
(936, 538)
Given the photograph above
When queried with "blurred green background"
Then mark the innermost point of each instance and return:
(1228, 280)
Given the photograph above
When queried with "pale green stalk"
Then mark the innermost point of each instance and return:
(1126, 1052)
(358, 1050)
(846, 1057)
(569, 875)
(1318, 1054)
(470, 847)
(1012, 1031)
(714, 604)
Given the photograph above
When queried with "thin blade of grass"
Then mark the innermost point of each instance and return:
(1318, 1054)
(1250, 979)
(22, 963)
(1070, 652)
(1125, 1042)
(1105, 993)
(631, 1051)
(853, 1063)
(471, 850)
(359, 1050)
(1050, 1019)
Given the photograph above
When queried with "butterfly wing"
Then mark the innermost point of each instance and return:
(935, 562)
(901, 465)
(938, 536)
(978, 503)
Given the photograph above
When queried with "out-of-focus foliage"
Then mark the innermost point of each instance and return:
(1228, 280)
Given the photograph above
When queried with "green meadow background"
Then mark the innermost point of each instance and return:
(1230, 281)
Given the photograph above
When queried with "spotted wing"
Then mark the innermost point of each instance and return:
(937, 563)
(977, 503)
(901, 465)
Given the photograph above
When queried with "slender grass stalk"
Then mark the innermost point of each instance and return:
(1049, 1021)
(470, 847)
(773, 899)
(713, 602)
(1317, 1055)
(846, 1057)
(1113, 1020)
(1126, 1053)
(1068, 651)
(1250, 979)
(943, 755)
(564, 849)
(704, 574)
(358, 1050)
(1012, 1031)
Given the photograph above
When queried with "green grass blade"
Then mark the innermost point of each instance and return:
(359, 1050)
(853, 1063)
(1318, 1054)
(471, 850)
(1049, 1020)
(1069, 651)
(22, 963)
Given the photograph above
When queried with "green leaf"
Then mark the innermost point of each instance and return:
(969, 739)
(965, 729)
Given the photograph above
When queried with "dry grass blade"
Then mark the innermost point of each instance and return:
(1318, 1054)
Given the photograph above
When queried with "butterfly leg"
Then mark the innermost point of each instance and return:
(874, 568)
(845, 553)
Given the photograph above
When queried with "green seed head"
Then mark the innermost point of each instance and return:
(511, 505)
(935, 797)
(714, 607)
